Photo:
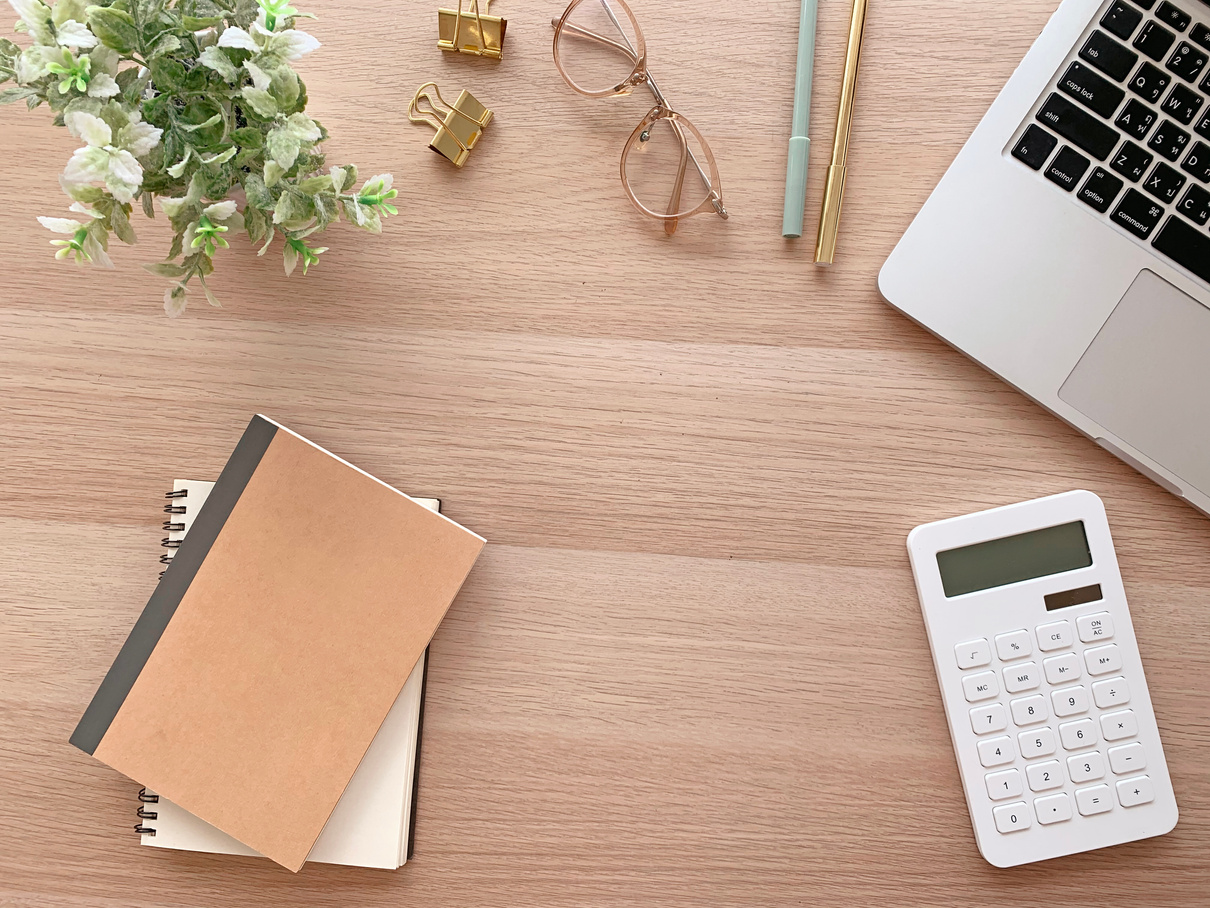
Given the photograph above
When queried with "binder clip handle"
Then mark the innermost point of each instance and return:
(458, 125)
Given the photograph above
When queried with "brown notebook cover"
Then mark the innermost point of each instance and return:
(276, 642)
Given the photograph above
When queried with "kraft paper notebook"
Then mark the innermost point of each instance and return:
(374, 822)
(277, 641)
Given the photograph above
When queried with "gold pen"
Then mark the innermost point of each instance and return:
(833, 195)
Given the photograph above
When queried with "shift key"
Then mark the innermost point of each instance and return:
(1078, 126)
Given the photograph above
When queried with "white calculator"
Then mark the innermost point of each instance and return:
(1040, 673)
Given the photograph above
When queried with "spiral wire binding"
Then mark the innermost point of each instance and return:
(145, 814)
(170, 526)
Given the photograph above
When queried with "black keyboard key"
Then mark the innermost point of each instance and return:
(1100, 189)
(1137, 213)
(1067, 168)
(1200, 35)
(1034, 147)
(1154, 40)
(1196, 205)
(1121, 19)
(1149, 82)
(1187, 61)
(1174, 16)
(1169, 140)
(1185, 245)
(1145, 4)
(1108, 56)
(1165, 183)
(1131, 161)
(1198, 162)
(1095, 92)
(1078, 127)
(1203, 127)
(1136, 119)
(1183, 104)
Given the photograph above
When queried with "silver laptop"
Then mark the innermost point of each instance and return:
(1067, 247)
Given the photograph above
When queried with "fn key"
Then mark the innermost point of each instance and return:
(1034, 147)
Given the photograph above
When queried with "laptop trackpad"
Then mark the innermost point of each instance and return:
(1146, 378)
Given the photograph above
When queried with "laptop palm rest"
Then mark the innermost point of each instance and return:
(1146, 378)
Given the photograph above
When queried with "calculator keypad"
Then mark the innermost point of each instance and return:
(1064, 710)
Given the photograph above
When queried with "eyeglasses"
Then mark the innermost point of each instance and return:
(668, 170)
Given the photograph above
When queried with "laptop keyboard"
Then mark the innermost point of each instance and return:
(1125, 128)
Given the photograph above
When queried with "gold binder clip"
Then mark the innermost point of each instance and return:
(458, 127)
(471, 32)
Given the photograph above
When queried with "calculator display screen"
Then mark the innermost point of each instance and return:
(1012, 559)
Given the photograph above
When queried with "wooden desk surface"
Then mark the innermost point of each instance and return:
(690, 668)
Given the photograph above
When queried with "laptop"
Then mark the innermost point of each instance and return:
(1067, 247)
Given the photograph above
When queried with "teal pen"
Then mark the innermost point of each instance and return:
(800, 145)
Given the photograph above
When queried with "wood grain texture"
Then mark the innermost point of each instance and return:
(689, 668)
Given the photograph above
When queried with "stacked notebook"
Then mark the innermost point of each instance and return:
(269, 696)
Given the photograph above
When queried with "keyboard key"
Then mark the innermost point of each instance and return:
(1034, 147)
(1165, 183)
(1196, 205)
(1044, 776)
(1078, 127)
(1053, 809)
(1183, 104)
(1119, 725)
(1133, 792)
(1121, 19)
(1078, 734)
(1100, 190)
(1174, 16)
(1095, 627)
(996, 751)
(1138, 214)
(1022, 677)
(1086, 767)
(1094, 800)
(1200, 35)
(986, 719)
(1064, 668)
(1185, 245)
(1203, 127)
(1012, 817)
(1113, 692)
(1127, 758)
(1187, 61)
(1056, 635)
(1198, 162)
(982, 686)
(1154, 40)
(1145, 4)
(1169, 140)
(1029, 710)
(1149, 83)
(1004, 784)
(1070, 701)
(973, 654)
(1108, 56)
(1095, 92)
(1014, 645)
(1136, 119)
(1102, 660)
(1039, 743)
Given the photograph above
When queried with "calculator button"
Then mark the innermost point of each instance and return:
(1095, 627)
(1055, 636)
(1133, 792)
(1069, 701)
(1053, 808)
(1101, 660)
(1061, 669)
(1127, 758)
(982, 686)
(1093, 800)
(1081, 733)
(996, 751)
(1044, 776)
(973, 654)
(1012, 817)
(986, 719)
(1086, 767)
(1116, 726)
(1022, 677)
(1029, 710)
(1113, 692)
(1014, 645)
(1039, 743)
(1006, 784)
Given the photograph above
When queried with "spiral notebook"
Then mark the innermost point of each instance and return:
(374, 822)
